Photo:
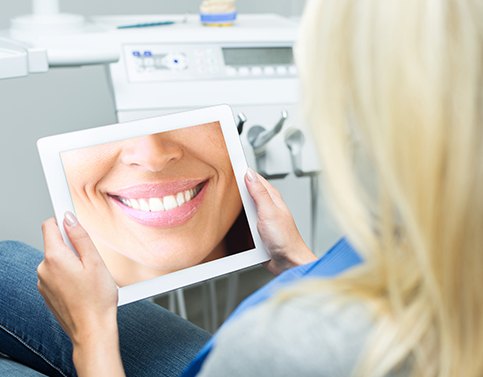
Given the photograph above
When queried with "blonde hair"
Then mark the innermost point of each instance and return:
(400, 83)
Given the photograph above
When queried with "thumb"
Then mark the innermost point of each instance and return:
(259, 193)
(79, 238)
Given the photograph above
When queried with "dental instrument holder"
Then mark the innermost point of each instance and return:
(295, 140)
(259, 137)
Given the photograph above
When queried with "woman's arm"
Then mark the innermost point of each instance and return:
(277, 227)
(100, 355)
(83, 296)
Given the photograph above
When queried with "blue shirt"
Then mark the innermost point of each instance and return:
(338, 259)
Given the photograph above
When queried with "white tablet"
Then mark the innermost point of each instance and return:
(163, 199)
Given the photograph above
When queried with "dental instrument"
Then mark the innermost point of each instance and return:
(241, 122)
(258, 137)
(146, 24)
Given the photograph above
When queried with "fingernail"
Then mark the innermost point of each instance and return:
(70, 219)
(251, 175)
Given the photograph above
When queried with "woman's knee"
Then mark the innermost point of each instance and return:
(19, 296)
(18, 261)
(16, 250)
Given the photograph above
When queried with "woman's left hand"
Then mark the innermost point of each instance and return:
(277, 227)
(82, 294)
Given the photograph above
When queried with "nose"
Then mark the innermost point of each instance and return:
(151, 153)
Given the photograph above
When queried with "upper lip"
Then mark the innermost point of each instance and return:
(156, 190)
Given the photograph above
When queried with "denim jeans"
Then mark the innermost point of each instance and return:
(154, 341)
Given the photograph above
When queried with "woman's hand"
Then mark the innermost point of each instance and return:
(276, 226)
(83, 296)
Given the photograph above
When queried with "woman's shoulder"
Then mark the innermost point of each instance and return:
(309, 334)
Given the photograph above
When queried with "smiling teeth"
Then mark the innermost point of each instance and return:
(165, 203)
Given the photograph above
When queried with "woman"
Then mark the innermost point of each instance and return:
(159, 203)
(393, 88)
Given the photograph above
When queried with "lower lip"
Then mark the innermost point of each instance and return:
(165, 219)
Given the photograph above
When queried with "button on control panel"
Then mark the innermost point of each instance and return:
(257, 71)
(195, 62)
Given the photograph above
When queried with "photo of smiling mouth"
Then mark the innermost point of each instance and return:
(164, 203)
(161, 205)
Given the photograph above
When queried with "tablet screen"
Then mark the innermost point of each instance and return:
(159, 203)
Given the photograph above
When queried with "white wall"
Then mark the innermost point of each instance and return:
(63, 100)
(41, 105)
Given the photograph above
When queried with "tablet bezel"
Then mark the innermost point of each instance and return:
(50, 149)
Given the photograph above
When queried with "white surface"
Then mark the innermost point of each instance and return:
(13, 60)
(72, 42)
(45, 6)
(29, 27)
(50, 149)
(93, 46)
(37, 61)
(20, 59)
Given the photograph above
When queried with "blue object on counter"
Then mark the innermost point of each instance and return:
(217, 18)
(146, 24)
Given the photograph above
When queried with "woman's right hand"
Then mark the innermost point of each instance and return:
(83, 296)
(276, 226)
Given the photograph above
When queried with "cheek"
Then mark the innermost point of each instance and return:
(206, 142)
(235, 198)
(217, 156)
(84, 174)
(232, 203)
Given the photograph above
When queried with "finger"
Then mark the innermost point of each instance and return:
(274, 193)
(259, 193)
(80, 239)
(53, 241)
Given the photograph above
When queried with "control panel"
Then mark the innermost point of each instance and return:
(207, 62)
